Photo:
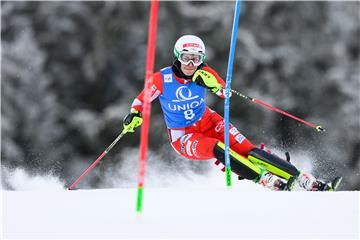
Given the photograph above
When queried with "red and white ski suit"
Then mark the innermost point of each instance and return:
(198, 140)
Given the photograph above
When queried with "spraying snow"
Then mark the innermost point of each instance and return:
(198, 208)
(19, 179)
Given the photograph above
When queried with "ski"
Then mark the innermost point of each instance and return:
(290, 184)
(334, 184)
(329, 186)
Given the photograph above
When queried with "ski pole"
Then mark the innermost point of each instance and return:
(98, 159)
(317, 127)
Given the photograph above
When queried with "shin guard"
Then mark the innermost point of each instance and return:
(239, 164)
(273, 163)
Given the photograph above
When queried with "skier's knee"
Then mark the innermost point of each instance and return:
(239, 164)
(195, 146)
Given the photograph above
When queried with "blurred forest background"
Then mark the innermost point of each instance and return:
(70, 71)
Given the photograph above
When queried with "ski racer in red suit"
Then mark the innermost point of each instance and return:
(197, 132)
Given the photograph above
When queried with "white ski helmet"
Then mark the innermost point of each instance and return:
(189, 44)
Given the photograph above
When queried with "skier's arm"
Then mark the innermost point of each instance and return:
(156, 90)
(209, 78)
(134, 118)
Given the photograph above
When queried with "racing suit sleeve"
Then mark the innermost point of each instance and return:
(156, 90)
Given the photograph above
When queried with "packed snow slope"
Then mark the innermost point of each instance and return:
(195, 210)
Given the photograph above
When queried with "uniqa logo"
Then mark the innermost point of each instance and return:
(184, 94)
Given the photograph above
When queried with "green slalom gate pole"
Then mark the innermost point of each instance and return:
(150, 59)
(227, 91)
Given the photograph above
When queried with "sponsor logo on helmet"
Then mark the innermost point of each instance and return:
(191, 45)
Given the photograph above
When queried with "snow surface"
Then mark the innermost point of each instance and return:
(200, 209)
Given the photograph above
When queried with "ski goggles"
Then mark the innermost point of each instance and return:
(186, 58)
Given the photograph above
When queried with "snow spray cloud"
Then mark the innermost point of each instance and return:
(19, 179)
(161, 172)
(178, 172)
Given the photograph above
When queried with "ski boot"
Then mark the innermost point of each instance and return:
(310, 183)
(274, 182)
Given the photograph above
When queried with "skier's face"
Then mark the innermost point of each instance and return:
(188, 69)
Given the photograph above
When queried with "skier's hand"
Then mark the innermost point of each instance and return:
(206, 79)
(132, 120)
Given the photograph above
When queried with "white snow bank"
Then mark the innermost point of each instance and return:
(244, 211)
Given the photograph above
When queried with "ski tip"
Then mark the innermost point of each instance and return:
(335, 183)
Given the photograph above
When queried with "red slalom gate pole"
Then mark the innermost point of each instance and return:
(150, 59)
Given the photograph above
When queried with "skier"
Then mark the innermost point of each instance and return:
(197, 132)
